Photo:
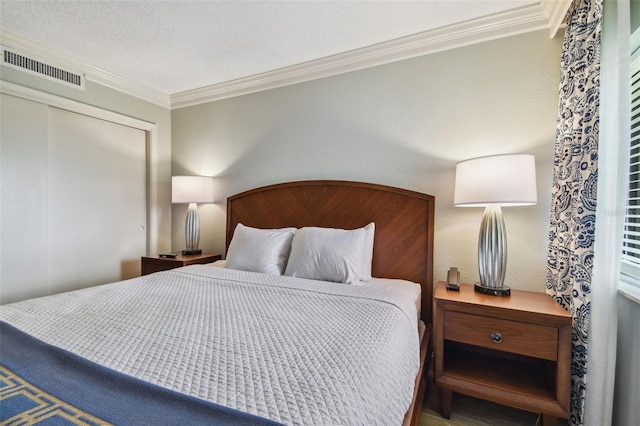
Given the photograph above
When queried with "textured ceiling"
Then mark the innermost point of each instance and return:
(174, 46)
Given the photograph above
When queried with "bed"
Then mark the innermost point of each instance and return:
(206, 344)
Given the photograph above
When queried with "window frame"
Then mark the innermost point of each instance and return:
(629, 270)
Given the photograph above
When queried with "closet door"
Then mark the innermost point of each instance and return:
(73, 200)
(96, 200)
(23, 189)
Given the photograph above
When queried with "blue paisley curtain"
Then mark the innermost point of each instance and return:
(575, 177)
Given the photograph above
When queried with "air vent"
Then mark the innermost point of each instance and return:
(13, 59)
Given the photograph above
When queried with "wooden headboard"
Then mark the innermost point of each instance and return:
(403, 244)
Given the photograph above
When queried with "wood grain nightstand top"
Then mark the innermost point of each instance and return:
(523, 301)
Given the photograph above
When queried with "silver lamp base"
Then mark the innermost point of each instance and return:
(492, 253)
(192, 230)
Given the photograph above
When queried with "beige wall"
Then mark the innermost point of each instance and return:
(404, 124)
(626, 410)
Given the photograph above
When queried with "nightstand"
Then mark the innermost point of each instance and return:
(512, 350)
(151, 264)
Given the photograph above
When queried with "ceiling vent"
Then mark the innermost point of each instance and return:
(13, 59)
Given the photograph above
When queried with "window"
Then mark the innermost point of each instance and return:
(631, 237)
(630, 260)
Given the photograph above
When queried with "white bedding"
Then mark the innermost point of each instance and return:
(404, 288)
(292, 350)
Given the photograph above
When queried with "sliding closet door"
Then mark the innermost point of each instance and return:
(23, 190)
(73, 210)
(96, 200)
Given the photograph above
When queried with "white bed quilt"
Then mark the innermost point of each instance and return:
(292, 350)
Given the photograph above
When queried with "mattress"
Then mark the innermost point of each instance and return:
(292, 350)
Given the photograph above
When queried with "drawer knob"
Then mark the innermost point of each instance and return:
(496, 337)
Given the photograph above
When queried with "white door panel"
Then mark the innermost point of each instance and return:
(23, 186)
(97, 200)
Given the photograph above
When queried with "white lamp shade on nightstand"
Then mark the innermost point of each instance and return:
(192, 190)
(506, 180)
(492, 182)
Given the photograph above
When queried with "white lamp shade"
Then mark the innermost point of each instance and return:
(505, 180)
(191, 189)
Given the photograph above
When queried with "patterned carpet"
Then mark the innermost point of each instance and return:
(468, 411)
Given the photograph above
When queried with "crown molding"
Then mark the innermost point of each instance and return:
(547, 14)
(557, 12)
(525, 19)
(91, 72)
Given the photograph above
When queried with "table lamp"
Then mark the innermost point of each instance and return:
(492, 182)
(192, 190)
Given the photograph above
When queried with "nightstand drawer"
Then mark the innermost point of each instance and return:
(522, 338)
(151, 264)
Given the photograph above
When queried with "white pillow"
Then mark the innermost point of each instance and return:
(259, 250)
(327, 254)
(367, 254)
